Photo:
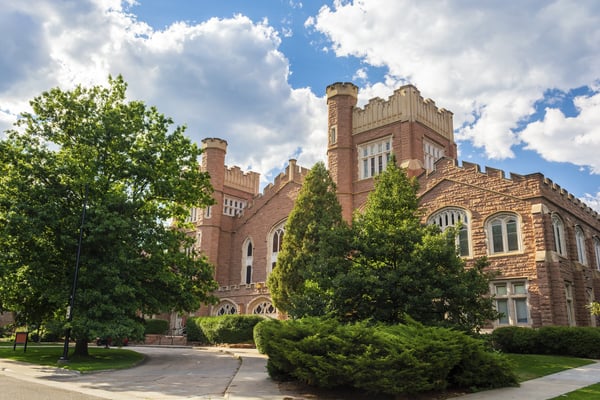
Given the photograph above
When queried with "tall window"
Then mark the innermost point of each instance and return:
(597, 252)
(333, 135)
(193, 215)
(570, 305)
(503, 234)
(373, 157)
(511, 300)
(558, 228)
(276, 240)
(580, 241)
(431, 153)
(247, 262)
(232, 206)
(454, 217)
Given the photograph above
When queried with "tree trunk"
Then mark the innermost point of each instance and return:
(81, 348)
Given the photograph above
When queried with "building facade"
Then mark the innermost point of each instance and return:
(543, 243)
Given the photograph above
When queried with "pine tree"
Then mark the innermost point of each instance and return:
(314, 249)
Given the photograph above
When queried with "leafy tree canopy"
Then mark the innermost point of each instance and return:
(136, 175)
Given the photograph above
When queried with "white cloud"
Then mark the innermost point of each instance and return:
(488, 62)
(568, 139)
(222, 77)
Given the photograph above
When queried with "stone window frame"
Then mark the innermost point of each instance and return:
(505, 235)
(233, 206)
(247, 261)
(373, 157)
(452, 216)
(580, 245)
(597, 251)
(513, 299)
(274, 243)
(558, 231)
(263, 306)
(226, 307)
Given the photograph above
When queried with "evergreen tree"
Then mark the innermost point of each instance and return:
(314, 249)
(402, 268)
(89, 145)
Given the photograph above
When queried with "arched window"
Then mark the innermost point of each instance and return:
(580, 242)
(503, 233)
(226, 308)
(247, 262)
(454, 217)
(276, 240)
(558, 228)
(597, 252)
(264, 308)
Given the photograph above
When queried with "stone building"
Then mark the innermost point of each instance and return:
(543, 242)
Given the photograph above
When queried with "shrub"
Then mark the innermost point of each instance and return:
(223, 329)
(194, 332)
(398, 359)
(554, 340)
(156, 327)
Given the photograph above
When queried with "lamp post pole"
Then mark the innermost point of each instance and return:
(65, 355)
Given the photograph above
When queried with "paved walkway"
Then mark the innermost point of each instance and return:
(235, 374)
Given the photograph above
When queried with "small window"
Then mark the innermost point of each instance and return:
(333, 135)
(597, 252)
(570, 305)
(431, 153)
(512, 302)
(503, 234)
(580, 242)
(558, 228)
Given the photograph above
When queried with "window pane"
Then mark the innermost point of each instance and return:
(248, 274)
(519, 288)
(502, 308)
(501, 290)
(521, 310)
(463, 240)
(511, 232)
(497, 244)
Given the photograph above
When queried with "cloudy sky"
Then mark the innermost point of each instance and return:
(522, 78)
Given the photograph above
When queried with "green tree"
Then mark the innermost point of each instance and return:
(403, 268)
(136, 176)
(314, 249)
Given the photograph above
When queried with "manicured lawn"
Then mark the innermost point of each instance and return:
(99, 359)
(586, 393)
(531, 366)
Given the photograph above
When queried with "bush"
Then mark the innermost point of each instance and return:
(223, 329)
(554, 340)
(156, 327)
(398, 359)
(194, 332)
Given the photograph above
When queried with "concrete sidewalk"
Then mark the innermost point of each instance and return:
(544, 388)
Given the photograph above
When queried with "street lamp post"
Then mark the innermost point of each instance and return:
(65, 355)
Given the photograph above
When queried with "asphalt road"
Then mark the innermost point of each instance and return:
(166, 373)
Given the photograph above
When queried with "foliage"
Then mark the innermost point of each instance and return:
(90, 146)
(194, 332)
(223, 329)
(99, 358)
(401, 267)
(156, 326)
(556, 340)
(594, 307)
(314, 249)
(390, 359)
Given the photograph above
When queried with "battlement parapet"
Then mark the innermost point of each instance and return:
(293, 172)
(537, 177)
(406, 104)
(245, 181)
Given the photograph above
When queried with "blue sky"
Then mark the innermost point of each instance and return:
(522, 78)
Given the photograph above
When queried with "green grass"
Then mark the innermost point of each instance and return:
(531, 366)
(99, 358)
(586, 393)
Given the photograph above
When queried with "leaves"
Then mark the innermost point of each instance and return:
(140, 176)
